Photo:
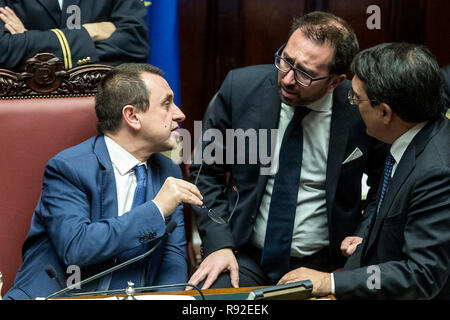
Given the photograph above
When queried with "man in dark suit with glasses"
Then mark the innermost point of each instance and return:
(404, 252)
(295, 211)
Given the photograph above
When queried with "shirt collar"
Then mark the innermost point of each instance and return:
(400, 145)
(324, 104)
(121, 158)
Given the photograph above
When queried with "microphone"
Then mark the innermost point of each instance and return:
(52, 274)
(169, 229)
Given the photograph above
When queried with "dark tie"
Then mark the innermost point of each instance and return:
(283, 204)
(132, 272)
(389, 164)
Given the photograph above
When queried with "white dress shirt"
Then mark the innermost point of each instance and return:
(123, 163)
(311, 222)
(60, 3)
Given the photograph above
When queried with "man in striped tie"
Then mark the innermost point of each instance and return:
(405, 250)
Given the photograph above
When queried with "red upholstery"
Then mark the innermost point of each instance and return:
(31, 132)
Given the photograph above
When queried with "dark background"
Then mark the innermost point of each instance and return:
(219, 35)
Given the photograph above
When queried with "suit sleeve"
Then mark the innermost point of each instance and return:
(425, 267)
(173, 267)
(17, 48)
(213, 176)
(128, 43)
(65, 210)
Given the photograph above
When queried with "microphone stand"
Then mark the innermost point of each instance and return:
(142, 289)
(169, 228)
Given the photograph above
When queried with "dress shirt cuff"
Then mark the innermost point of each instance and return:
(160, 211)
(332, 284)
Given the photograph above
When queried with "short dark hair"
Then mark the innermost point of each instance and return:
(120, 87)
(324, 27)
(405, 76)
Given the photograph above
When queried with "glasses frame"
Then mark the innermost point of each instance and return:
(211, 214)
(352, 100)
(278, 57)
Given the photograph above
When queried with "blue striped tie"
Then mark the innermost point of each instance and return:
(389, 164)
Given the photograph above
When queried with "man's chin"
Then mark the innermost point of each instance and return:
(290, 102)
(288, 99)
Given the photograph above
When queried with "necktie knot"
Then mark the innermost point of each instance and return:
(141, 173)
(299, 113)
(390, 160)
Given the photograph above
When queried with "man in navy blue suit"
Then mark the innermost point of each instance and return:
(404, 249)
(308, 76)
(87, 214)
(79, 31)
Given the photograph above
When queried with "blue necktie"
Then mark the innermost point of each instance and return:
(276, 253)
(389, 164)
(141, 187)
(132, 272)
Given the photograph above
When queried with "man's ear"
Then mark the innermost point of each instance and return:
(131, 117)
(387, 113)
(335, 81)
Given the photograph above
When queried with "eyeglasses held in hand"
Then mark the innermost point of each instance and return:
(213, 215)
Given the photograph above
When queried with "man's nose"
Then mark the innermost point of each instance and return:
(289, 78)
(178, 115)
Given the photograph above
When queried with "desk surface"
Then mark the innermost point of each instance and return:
(219, 291)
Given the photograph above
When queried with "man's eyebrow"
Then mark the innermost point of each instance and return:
(356, 93)
(167, 96)
(298, 65)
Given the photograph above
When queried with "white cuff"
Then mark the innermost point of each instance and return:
(160, 211)
(332, 284)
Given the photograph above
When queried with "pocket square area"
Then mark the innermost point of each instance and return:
(357, 153)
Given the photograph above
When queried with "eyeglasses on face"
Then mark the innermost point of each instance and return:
(213, 215)
(354, 101)
(300, 76)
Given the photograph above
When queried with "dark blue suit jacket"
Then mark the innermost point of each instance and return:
(249, 99)
(409, 239)
(76, 223)
(128, 43)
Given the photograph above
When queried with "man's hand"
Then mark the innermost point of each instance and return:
(321, 280)
(175, 191)
(100, 30)
(349, 244)
(12, 23)
(213, 265)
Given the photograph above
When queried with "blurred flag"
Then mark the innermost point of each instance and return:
(162, 21)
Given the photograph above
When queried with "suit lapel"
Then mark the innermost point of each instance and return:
(269, 117)
(109, 207)
(339, 131)
(404, 169)
(153, 177)
(53, 9)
